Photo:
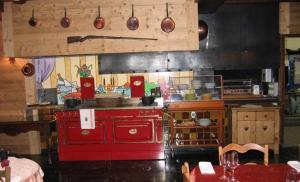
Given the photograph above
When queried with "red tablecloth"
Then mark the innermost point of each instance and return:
(245, 173)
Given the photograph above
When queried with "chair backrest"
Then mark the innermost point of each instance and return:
(185, 170)
(5, 174)
(243, 149)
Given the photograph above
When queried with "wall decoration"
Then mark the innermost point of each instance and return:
(84, 70)
(64, 87)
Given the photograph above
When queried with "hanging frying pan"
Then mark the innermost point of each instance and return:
(167, 24)
(28, 69)
(65, 21)
(132, 22)
(99, 22)
(32, 21)
(202, 29)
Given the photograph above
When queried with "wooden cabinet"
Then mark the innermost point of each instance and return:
(186, 130)
(257, 125)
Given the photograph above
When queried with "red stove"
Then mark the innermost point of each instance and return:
(119, 134)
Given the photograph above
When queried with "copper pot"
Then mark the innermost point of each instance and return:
(132, 22)
(32, 21)
(65, 21)
(202, 29)
(167, 24)
(99, 22)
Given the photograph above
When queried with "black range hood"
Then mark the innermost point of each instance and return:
(209, 6)
(241, 36)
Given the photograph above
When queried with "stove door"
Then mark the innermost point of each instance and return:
(134, 131)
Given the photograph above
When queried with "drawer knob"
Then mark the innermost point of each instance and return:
(246, 116)
(265, 115)
(132, 131)
(265, 128)
(85, 132)
(246, 128)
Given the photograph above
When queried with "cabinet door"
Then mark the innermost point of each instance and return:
(245, 130)
(264, 132)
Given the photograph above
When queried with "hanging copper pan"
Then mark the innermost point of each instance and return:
(167, 24)
(202, 29)
(65, 21)
(132, 22)
(28, 69)
(99, 22)
(32, 21)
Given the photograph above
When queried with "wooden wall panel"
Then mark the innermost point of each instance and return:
(12, 90)
(49, 38)
(289, 18)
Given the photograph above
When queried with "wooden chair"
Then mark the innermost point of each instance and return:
(299, 152)
(5, 174)
(244, 149)
(185, 170)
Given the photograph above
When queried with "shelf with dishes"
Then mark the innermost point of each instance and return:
(201, 88)
(200, 124)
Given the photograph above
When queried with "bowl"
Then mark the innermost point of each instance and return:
(183, 86)
(210, 85)
(196, 84)
(190, 96)
(203, 121)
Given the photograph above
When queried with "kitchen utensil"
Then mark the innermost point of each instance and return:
(204, 122)
(167, 24)
(176, 97)
(190, 96)
(202, 29)
(132, 22)
(73, 39)
(99, 22)
(28, 69)
(206, 96)
(148, 100)
(65, 21)
(72, 102)
(32, 21)
(196, 84)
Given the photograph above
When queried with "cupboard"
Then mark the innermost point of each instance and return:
(256, 125)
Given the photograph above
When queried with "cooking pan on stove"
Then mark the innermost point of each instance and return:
(148, 100)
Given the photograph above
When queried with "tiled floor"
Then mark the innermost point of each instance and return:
(152, 171)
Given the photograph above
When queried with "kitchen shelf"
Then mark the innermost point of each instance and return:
(185, 132)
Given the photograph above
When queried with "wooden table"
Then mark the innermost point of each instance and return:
(245, 173)
(13, 128)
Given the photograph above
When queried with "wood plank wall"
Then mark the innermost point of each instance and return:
(48, 38)
(289, 18)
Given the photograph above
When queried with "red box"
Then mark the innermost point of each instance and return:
(87, 87)
(137, 86)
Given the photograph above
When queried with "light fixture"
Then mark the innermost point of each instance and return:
(12, 60)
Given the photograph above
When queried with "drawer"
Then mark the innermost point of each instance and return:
(136, 131)
(76, 135)
(265, 116)
(246, 116)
